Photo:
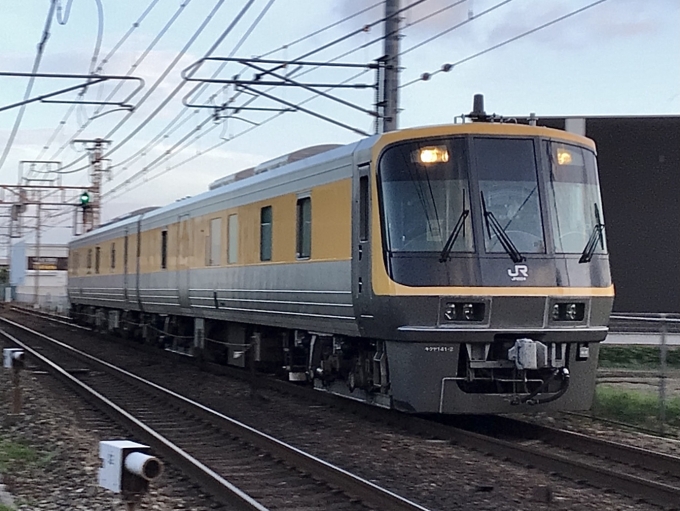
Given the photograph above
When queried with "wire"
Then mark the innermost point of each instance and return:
(63, 20)
(31, 80)
(165, 132)
(93, 62)
(159, 161)
(336, 41)
(456, 26)
(153, 88)
(447, 67)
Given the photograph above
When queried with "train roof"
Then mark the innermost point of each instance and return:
(302, 158)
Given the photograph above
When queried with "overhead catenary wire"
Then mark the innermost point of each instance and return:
(172, 151)
(29, 87)
(448, 66)
(165, 132)
(93, 63)
(99, 68)
(157, 83)
(454, 27)
(312, 52)
(161, 160)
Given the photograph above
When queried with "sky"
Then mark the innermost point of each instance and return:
(620, 57)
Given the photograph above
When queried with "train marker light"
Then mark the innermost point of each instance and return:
(438, 154)
(84, 199)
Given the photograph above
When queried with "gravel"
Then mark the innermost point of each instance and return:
(66, 435)
(437, 474)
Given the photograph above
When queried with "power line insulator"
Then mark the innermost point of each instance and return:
(425, 76)
(447, 67)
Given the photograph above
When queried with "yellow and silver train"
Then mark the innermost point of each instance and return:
(448, 269)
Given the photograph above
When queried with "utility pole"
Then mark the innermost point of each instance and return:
(391, 83)
(37, 267)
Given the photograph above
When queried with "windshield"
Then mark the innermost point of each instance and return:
(574, 197)
(425, 192)
(508, 183)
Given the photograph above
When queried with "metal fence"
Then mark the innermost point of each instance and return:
(639, 372)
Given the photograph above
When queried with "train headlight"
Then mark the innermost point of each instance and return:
(556, 312)
(571, 311)
(433, 154)
(463, 311)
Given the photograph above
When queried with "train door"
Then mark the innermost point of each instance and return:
(126, 274)
(138, 264)
(184, 252)
(361, 245)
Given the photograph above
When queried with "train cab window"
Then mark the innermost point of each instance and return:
(509, 195)
(97, 259)
(214, 244)
(113, 256)
(574, 199)
(425, 197)
(266, 234)
(232, 251)
(304, 228)
(164, 250)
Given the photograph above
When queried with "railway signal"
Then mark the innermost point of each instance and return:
(84, 200)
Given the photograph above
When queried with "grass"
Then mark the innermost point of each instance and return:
(637, 357)
(15, 455)
(6, 508)
(633, 407)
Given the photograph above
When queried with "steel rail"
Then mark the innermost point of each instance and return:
(614, 451)
(629, 485)
(212, 482)
(365, 490)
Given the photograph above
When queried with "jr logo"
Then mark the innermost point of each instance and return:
(521, 272)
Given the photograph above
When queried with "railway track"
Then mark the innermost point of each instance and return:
(581, 458)
(237, 464)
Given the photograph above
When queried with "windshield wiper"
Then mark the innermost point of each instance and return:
(591, 246)
(448, 246)
(507, 244)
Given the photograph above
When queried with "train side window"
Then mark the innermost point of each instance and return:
(97, 259)
(232, 255)
(113, 256)
(266, 233)
(89, 260)
(214, 243)
(363, 208)
(304, 228)
(164, 250)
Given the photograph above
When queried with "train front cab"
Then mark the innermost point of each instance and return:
(489, 277)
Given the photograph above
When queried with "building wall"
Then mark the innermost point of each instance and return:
(639, 162)
(50, 284)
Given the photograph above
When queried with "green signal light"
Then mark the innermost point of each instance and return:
(84, 199)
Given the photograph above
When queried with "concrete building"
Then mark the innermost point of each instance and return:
(38, 274)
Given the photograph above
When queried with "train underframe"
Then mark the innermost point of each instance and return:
(511, 374)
